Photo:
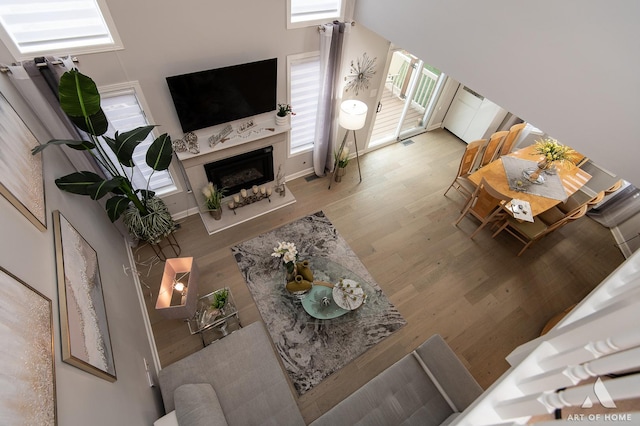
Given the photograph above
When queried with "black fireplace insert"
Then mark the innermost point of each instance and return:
(242, 171)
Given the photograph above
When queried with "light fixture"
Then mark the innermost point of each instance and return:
(353, 115)
(178, 294)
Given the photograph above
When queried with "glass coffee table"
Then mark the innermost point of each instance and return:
(208, 317)
(338, 294)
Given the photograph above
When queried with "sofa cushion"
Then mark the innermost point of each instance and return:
(400, 395)
(198, 405)
(246, 375)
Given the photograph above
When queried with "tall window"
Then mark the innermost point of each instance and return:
(124, 112)
(302, 13)
(304, 86)
(43, 27)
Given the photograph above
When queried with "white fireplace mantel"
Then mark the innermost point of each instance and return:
(264, 133)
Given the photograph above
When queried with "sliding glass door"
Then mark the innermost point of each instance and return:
(408, 96)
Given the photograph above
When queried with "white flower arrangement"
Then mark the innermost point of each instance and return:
(288, 252)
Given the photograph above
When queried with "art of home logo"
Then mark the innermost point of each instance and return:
(602, 394)
(604, 398)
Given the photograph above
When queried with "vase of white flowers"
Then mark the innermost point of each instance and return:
(282, 114)
(289, 255)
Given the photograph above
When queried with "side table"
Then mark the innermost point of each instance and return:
(207, 317)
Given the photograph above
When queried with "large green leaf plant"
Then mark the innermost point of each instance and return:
(80, 100)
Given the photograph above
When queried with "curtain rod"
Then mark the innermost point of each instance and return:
(353, 24)
(4, 68)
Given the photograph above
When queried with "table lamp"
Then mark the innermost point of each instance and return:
(178, 294)
(353, 115)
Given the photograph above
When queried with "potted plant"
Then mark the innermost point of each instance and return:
(281, 115)
(213, 199)
(145, 215)
(341, 159)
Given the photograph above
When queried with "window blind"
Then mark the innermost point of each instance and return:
(304, 87)
(311, 10)
(37, 26)
(124, 113)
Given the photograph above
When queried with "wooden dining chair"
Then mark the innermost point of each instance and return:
(486, 205)
(511, 139)
(579, 199)
(466, 167)
(492, 150)
(530, 232)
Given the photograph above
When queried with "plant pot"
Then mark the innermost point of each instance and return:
(152, 227)
(282, 121)
(216, 214)
(340, 171)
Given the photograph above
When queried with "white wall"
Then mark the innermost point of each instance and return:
(569, 68)
(28, 253)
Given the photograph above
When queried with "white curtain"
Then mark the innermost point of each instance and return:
(331, 42)
(39, 87)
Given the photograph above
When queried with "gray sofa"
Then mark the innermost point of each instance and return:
(239, 381)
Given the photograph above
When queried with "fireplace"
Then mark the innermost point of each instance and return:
(242, 171)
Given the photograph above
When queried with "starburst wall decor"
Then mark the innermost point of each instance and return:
(361, 73)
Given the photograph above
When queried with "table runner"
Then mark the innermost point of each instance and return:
(551, 188)
(310, 349)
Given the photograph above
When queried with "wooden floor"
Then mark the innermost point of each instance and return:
(477, 294)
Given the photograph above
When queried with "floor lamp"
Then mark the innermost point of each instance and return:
(353, 115)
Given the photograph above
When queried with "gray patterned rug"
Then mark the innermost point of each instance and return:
(312, 349)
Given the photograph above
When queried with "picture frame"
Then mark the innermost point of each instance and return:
(27, 382)
(21, 173)
(84, 328)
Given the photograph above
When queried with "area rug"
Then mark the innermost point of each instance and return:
(311, 349)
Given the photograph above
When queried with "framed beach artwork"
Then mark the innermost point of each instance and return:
(84, 328)
(27, 376)
(21, 179)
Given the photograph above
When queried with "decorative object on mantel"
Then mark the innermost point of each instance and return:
(245, 198)
(280, 188)
(361, 73)
(220, 137)
(341, 163)
(246, 126)
(213, 199)
(80, 100)
(191, 141)
(353, 115)
(284, 110)
(552, 152)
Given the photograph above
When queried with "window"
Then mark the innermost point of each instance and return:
(304, 13)
(44, 27)
(124, 112)
(304, 87)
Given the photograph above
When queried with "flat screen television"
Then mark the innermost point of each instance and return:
(206, 98)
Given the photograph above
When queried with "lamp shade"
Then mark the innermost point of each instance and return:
(353, 114)
(175, 270)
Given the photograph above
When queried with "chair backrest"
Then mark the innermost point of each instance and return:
(613, 187)
(469, 157)
(512, 137)
(486, 202)
(595, 200)
(574, 215)
(492, 151)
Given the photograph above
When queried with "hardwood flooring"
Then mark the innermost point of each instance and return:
(477, 294)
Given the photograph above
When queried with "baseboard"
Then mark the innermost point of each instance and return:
(143, 307)
(302, 173)
(184, 213)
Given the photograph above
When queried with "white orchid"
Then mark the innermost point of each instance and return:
(288, 252)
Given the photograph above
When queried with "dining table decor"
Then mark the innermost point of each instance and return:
(552, 153)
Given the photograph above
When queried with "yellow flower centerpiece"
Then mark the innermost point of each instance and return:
(552, 152)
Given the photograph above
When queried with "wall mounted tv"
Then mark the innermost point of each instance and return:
(206, 98)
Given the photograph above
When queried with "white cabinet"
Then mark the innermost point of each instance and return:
(472, 116)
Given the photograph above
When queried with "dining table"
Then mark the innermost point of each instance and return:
(557, 186)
